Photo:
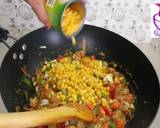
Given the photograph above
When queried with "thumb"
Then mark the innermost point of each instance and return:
(39, 8)
(42, 15)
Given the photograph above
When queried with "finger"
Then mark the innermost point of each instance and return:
(42, 15)
(49, 24)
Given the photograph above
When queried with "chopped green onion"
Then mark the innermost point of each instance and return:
(91, 126)
(18, 91)
(96, 109)
(103, 95)
(64, 91)
(53, 61)
(79, 98)
(112, 125)
(124, 81)
(46, 106)
(37, 94)
(53, 52)
(41, 81)
(26, 96)
(26, 81)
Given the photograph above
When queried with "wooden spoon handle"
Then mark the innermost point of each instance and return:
(43, 117)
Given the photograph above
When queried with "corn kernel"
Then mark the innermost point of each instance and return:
(70, 22)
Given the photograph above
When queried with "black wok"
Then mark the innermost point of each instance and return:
(32, 49)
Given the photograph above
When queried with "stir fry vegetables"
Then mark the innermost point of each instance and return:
(82, 79)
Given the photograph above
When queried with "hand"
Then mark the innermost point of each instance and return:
(39, 8)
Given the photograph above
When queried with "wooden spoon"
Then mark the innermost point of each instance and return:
(45, 117)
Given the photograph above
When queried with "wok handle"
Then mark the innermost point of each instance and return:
(4, 35)
(43, 117)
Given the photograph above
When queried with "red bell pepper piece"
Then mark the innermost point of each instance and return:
(108, 111)
(60, 125)
(112, 92)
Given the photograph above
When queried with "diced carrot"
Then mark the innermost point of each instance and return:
(120, 123)
(129, 98)
(90, 106)
(105, 125)
(115, 105)
(59, 58)
(38, 71)
(117, 84)
(102, 112)
(42, 92)
(93, 57)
